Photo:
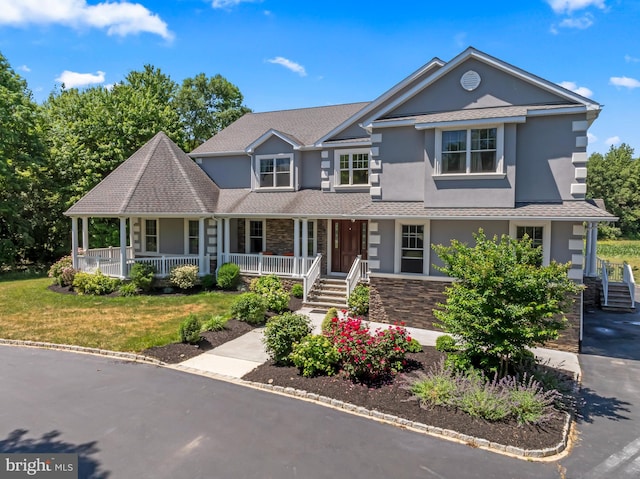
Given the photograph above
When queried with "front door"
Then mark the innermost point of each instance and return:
(348, 240)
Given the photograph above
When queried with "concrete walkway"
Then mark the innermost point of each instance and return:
(241, 355)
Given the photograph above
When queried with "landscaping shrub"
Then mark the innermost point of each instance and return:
(228, 276)
(62, 271)
(143, 275)
(215, 323)
(128, 289)
(249, 307)
(282, 332)
(446, 344)
(315, 355)
(184, 277)
(414, 346)
(270, 288)
(359, 300)
(96, 283)
(208, 282)
(327, 323)
(297, 291)
(190, 329)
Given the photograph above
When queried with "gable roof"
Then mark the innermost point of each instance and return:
(159, 178)
(306, 125)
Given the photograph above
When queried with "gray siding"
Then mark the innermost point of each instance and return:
(274, 146)
(403, 165)
(352, 131)
(229, 172)
(544, 150)
(496, 89)
(171, 236)
(387, 233)
(309, 169)
(561, 233)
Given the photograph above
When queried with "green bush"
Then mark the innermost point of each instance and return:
(282, 332)
(446, 344)
(249, 307)
(208, 282)
(327, 322)
(315, 355)
(359, 300)
(215, 323)
(128, 289)
(270, 287)
(184, 277)
(414, 346)
(143, 275)
(96, 284)
(228, 276)
(297, 291)
(62, 271)
(190, 329)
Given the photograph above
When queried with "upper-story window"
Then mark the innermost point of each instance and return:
(471, 151)
(352, 167)
(275, 171)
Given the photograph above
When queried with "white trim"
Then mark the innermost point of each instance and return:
(414, 277)
(557, 111)
(426, 243)
(247, 236)
(581, 173)
(578, 188)
(470, 176)
(143, 245)
(347, 144)
(336, 167)
(580, 125)
(470, 124)
(578, 230)
(217, 153)
(579, 157)
(576, 244)
(278, 156)
(265, 136)
(577, 259)
(576, 274)
(546, 235)
(582, 141)
(498, 173)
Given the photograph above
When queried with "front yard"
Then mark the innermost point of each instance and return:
(30, 311)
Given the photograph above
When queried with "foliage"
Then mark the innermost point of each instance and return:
(615, 178)
(414, 346)
(94, 283)
(270, 287)
(359, 300)
(622, 251)
(249, 307)
(315, 355)
(282, 332)
(60, 273)
(502, 301)
(215, 323)
(228, 276)
(190, 328)
(446, 344)
(327, 323)
(208, 282)
(184, 277)
(297, 291)
(143, 275)
(128, 289)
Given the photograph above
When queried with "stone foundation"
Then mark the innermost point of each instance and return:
(591, 295)
(392, 300)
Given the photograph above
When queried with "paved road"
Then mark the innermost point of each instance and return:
(140, 421)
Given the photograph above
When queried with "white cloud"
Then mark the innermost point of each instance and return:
(230, 3)
(580, 90)
(630, 59)
(118, 18)
(591, 138)
(568, 6)
(580, 23)
(24, 68)
(460, 39)
(291, 65)
(74, 79)
(614, 140)
(625, 82)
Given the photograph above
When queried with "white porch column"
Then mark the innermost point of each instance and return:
(593, 254)
(123, 247)
(296, 237)
(219, 242)
(204, 269)
(305, 237)
(85, 233)
(227, 236)
(74, 241)
(131, 235)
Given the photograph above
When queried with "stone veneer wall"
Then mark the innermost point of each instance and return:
(591, 295)
(322, 244)
(280, 236)
(413, 301)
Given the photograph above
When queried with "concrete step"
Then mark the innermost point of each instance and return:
(325, 305)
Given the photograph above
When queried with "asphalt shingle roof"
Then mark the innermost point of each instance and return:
(306, 125)
(159, 178)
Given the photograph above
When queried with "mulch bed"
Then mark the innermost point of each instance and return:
(391, 398)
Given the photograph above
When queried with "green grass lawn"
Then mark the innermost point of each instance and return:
(617, 251)
(30, 311)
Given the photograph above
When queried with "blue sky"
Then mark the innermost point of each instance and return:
(292, 54)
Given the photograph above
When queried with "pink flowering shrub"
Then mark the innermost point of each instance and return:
(365, 355)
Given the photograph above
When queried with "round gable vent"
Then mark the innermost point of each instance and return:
(470, 80)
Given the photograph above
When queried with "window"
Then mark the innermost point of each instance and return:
(193, 238)
(353, 167)
(469, 151)
(412, 252)
(255, 236)
(538, 231)
(533, 232)
(151, 236)
(311, 238)
(275, 171)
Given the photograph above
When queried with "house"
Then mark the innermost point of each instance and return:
(361, 191)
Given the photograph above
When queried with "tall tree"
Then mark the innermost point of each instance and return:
(615, 177)
(21, 152)
(206, 106)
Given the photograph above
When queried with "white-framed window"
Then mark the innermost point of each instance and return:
(352, 167)
(412, 247)
(274, 171)
(255, 236)
(538, 231)
(471, 152)
(192, 236)
(151, 236)
(312, 241)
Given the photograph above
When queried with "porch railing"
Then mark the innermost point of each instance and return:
(310, 278)
(627, 278)
(109, 253)
(359, 272)
(295, 267)
(164, 264)
(92, 261)
(93, 264)
(616, 273)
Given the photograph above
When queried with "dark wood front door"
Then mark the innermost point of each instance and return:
(348, 240)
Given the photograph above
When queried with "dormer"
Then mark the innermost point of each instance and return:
(273, 165)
